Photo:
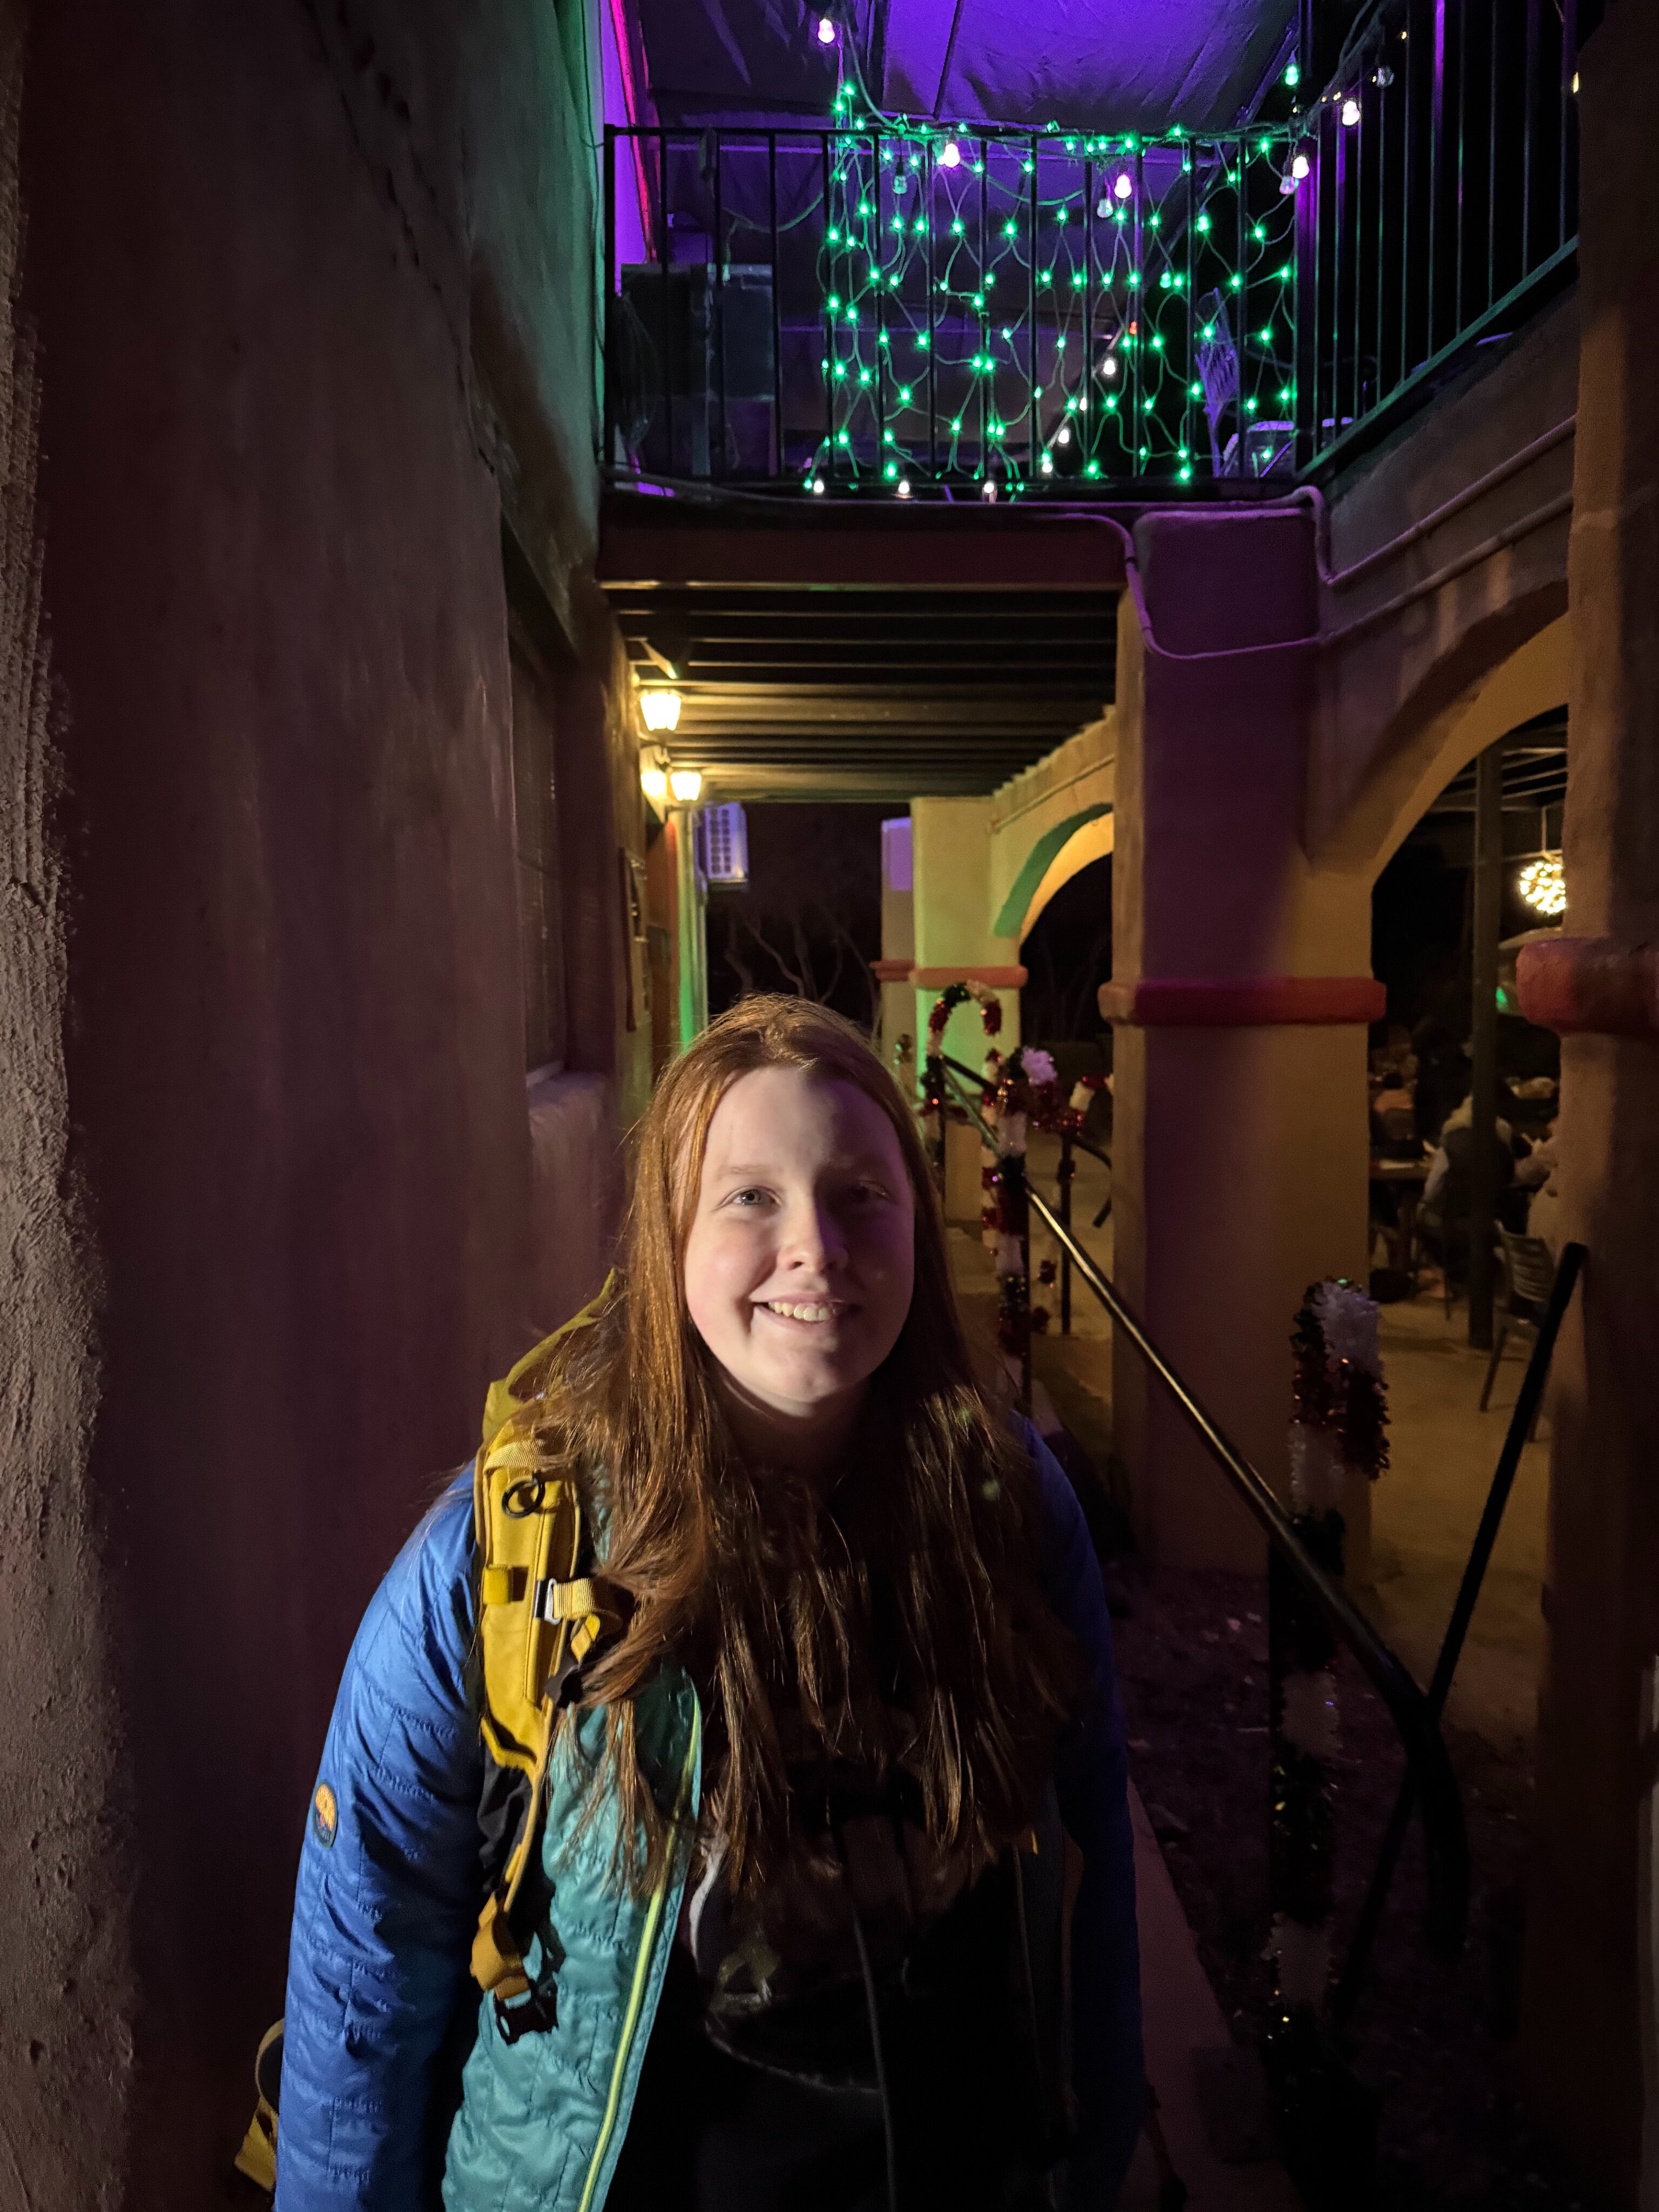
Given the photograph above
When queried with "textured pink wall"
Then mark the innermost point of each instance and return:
(270, 498)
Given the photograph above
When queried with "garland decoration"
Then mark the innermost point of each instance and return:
(1338, 1438)
(934, 1105)
(1020, 1091)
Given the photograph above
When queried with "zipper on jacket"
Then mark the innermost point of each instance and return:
(641, 1972)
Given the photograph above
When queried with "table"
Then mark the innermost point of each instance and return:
(1406, 1178)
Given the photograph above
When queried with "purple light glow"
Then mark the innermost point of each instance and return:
(826, 31)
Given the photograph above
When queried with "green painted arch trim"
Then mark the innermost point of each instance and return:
(1037, 863)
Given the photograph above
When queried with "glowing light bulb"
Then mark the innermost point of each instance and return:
(1301, 167)
(653, 782)
(818, 486)
(686, 784)
(1047, 465)
(1109, 366)
(951, 155)
(1293, 76)
(904, 487)
(1063, 436)
(989, 492)
(1543, 886)
(1351, 111)
(659, 708)
(826, 32)
(1124, 185)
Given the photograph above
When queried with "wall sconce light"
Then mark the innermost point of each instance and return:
(659, 708)
(686, 785)
(653, 782)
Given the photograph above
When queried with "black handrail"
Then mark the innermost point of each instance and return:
(1346, 1993)
(1446, 1843)
(977, 1078)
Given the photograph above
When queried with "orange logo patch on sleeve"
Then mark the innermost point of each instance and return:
(325, 1815)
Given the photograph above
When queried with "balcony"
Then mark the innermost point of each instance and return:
(912, 310)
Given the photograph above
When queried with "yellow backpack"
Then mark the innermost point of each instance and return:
(542, 1611)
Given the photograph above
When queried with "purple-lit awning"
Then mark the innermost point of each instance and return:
(1094, 64)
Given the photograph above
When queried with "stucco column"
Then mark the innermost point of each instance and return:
(954, 941)
(1589, 2014)
(894, 969)
(1240, 993)
(954, 935)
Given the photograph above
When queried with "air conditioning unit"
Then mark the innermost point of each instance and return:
(723, 848)
(702, 359)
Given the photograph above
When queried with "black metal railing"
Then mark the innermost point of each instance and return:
(870, 308)
(1433, 1786)
(1003, 313)
(1439, 202)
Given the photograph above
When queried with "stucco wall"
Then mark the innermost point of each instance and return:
(1034, 815)
(1391, 691)
(66, 1992)
(1590, 2013)
(312, 305)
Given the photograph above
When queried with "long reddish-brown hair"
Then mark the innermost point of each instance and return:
(907, 1581)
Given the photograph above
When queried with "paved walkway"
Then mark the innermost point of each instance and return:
(1185, 2032)
(1426, 1509)
(1184, 2022)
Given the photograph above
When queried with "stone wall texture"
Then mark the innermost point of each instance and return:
(295, 306)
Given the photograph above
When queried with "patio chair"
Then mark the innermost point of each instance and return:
(1528, 1268)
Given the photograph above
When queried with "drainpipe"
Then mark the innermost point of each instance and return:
(1487, 930)
(691, 943)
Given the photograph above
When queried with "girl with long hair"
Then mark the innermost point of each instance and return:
(743, 1720)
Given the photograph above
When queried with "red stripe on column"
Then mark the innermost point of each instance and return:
(1601, 986)
(995, 979)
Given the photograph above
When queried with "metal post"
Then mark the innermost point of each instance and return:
(1016, 1290)
(828, 318)
(1242, 333)
(1436, 174)
(777, 306)
(719, 315)
(987, 381)
(1033, 454)
(879, 367)
(1488, 911)
(1067, 1169)
(611, 287)
(1407, 177)
(932, 320)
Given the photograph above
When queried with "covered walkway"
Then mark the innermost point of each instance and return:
(452, 461)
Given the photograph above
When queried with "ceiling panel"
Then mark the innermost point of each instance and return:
(871, 693)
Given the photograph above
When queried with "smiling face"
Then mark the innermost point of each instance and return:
(800, 1259)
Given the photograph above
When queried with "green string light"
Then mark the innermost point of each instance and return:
(988, 231)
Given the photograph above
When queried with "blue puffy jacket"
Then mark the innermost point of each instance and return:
(380, 2005)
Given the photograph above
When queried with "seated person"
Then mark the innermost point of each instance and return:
(1394, 1124)
(1444, 1218)
(1538, 1174)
